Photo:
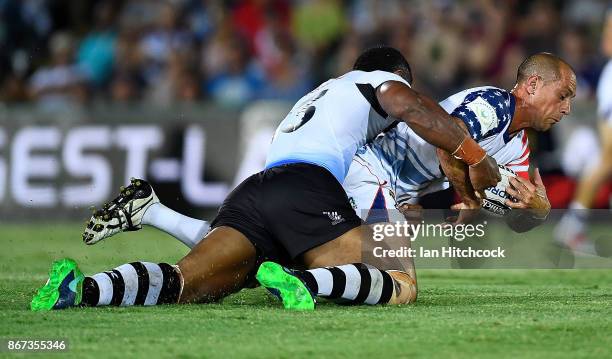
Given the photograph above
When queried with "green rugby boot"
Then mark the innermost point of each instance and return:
(286, 286)
(63, 289)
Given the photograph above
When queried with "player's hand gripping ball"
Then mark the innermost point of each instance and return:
(495, 197)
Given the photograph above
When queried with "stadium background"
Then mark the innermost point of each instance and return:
(187, 93)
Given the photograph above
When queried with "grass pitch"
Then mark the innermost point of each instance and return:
(459, 313)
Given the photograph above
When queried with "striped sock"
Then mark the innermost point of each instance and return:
(350, 284)
(137, 283)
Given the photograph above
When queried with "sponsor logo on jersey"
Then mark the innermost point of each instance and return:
(494, 208)
(498, 192)
(334, 217)
(485, 114)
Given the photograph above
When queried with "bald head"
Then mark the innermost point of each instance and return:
(544, 65)
(545, 87)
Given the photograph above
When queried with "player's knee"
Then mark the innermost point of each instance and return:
(404, 289)
(200, 284)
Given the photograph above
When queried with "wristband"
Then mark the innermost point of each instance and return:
(469, 152)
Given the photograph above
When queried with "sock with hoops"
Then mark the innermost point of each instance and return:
(356, 283)
(137, 283)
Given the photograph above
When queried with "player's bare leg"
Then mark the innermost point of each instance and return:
(216, 266)
(350, 248)
(338, 273)
(342, 250)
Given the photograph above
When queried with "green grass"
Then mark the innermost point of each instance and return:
(459, 313)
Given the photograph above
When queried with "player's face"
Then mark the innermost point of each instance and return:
(553, 99)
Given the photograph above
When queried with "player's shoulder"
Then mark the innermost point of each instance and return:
(494, 96)
(485, 110)
(374, 78)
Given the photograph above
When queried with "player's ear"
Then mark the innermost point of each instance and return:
(532, 84)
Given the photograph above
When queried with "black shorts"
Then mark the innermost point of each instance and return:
(287, 210)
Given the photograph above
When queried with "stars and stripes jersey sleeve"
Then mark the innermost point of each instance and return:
(486, 111)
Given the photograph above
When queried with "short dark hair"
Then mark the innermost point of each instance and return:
(543, 64)
(383, 58)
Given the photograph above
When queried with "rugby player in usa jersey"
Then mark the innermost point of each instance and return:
(543, 92)
(295, 212)
(399, 168)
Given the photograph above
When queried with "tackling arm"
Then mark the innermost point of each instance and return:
(458, 175)
(434, 125)
(423, 115)
(457, 172)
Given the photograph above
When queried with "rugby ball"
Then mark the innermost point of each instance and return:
(494, 202)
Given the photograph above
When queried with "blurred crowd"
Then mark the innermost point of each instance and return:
(62, 52)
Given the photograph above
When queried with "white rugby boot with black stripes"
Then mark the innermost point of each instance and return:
(123, 213)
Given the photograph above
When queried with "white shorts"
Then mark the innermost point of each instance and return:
(369, 193)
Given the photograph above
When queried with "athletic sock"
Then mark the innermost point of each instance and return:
(350, 284)
(188, 230)
(137, 283)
